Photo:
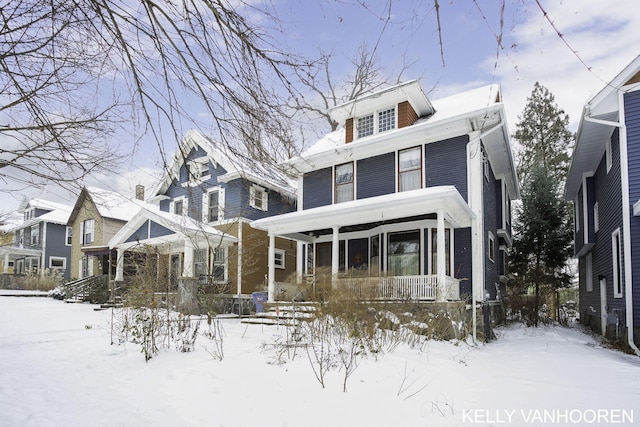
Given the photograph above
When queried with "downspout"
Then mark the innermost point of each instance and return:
(626, 223)
(239, 272)
(626, 212)
(43, 243)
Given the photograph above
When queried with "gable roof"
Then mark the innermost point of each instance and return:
(58, 213)
(480, 109)
(600, 116)
(178, 224)
(235, 165)
(108, 203)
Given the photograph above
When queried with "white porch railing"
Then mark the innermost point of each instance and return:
(402, 288)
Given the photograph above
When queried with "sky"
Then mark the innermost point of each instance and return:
(573, 50)
(58, 369)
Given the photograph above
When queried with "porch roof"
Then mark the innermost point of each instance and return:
(183, 228)
(374, 210)
(17, 252)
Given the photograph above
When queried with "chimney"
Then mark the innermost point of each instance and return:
(140, 192)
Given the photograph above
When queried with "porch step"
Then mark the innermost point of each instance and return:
(286, 314)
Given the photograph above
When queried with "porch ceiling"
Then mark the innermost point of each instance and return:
(370, 212)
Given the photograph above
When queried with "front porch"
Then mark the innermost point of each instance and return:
(392, 247)
(391, 288)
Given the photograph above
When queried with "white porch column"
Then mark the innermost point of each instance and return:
(5, 266)
(272, 268)
(335, 256)
(188, 258)
(441, 259)
(119, 265)
(300, 258)
(239, 271)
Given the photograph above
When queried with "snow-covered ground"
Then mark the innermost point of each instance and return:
(57, 368)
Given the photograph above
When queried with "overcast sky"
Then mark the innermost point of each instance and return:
(599, 38)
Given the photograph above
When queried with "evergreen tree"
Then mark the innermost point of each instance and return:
(543, 135)
(543, 231)
(543, 238)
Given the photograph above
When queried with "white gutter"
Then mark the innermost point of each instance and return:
(626, 223)
(43, 244)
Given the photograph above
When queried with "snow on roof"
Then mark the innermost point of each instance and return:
(11, 221)
(237, 165)
(114, 205)
(450, 107)
(465, 102)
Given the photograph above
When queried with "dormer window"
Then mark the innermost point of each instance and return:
(379, 121)
(387, 119)
(365, 126)
(198, 168)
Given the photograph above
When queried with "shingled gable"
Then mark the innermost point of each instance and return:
(235, 166)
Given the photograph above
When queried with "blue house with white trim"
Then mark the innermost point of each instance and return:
(604, 184)
(197, 219)
(410, 199)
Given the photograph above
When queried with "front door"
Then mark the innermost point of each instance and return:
(603, 305)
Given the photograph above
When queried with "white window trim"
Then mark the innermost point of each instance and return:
(194, 171)
(616, 263)
(353, 182)
(282, 254)
(491, 243)
(265, 197)
(608, 155)
(422, 166)
(376, 124)
(68, 236)
(205, 204)
(185, 204)
(576, 214)
(589, 272)
(56, 258)
(596, 217)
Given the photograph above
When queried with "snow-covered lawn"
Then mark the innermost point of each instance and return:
(58, 369)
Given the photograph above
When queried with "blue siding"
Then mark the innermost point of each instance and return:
(376, 176)
(632, 120)
(446, 163)
(607, 193)
(492, 205)
(578, 224)
(317, 188)
(141, 233)
(56, 246)
(463, 260)
(157, 230)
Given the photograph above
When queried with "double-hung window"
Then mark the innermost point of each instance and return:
(344, 182)
(213, 205)
(258, 198)
(35, 234)
(410, 169)
(88, 231)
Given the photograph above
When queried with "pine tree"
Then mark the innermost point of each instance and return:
(543, 136)
(543, 230)
(543, 237)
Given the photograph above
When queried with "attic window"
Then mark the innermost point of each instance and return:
(258, 198)
(376, 122)
(198, 168)
(386, 119)
(365, 126)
